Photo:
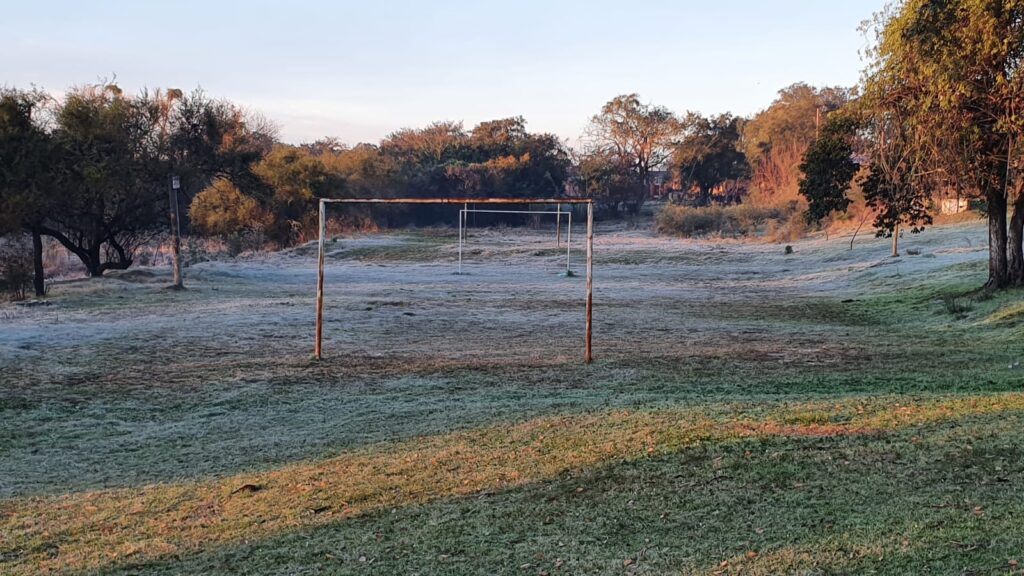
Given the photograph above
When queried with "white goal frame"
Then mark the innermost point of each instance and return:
(588, 332)
(464, 228)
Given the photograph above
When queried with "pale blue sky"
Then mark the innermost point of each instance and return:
(358, 70)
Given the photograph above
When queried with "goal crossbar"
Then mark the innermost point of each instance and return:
(587, 352)
(456, 201)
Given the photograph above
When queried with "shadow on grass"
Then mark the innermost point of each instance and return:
(941, 498)
(93, 530)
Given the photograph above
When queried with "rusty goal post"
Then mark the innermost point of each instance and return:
(322, 238)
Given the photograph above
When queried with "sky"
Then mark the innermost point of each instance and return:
(360, 70)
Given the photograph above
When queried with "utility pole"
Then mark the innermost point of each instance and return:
(172, 192)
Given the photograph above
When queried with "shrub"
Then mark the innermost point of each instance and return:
(739, 220)
(16, 270)
(222, 210)
(957, 307)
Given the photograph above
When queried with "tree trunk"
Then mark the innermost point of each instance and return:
(896, 241)
(38, 279)
(997, 255)
(90, 257)
(1015, 238)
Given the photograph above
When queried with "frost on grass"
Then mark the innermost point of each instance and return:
(120, 384)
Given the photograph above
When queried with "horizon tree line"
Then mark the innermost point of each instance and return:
(938, 108)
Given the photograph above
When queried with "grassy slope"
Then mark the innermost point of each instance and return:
(904, 458)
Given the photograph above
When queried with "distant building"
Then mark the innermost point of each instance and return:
(660, 183)
(954, 205)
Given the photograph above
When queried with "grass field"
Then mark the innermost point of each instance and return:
(749, 412)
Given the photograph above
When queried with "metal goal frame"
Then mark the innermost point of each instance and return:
(558, 213)
(322, 234)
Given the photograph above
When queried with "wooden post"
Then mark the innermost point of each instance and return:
(588, 356)
(320, 283)
(172, 197)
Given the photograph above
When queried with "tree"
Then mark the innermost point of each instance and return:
(897, 202)
(634, 135)
(829, 167)
(894, 188)
(601, 177)
(432, 145)
(496, 138)
(954, 67)
(210, 139)
(27, 186)
(795, 117)
(708, 155)
(293, 179)
(367, 172)
(109, 204)
(775, 139)
(496, 158)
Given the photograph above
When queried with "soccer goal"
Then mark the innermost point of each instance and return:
(557, 212)
(466, 202)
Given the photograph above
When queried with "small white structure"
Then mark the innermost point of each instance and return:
(953, 205)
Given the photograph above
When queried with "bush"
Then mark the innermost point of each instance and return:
(16, 270)
(740, 220)
(222, 210)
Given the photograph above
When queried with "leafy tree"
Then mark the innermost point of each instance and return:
(954, 67)
(208, 139)
(829, 168)
(293, 180)
(602, 177)
(495, 138)
(775, 139)
(325, 146)
(708, 154)
(897, 202)
(367, 172)
(429, 146)
(496, 158)
(634, 135)
(27, 185)
(895, 188)
(795, 117)
(109, 205)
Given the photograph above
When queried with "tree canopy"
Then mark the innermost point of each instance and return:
(829, 167)
(708, 153)
(952, 70)
(634, 136)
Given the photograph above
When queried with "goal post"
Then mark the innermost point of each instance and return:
(322, 229)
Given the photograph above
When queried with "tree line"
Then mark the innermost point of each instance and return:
(91, 170)
(938, 109)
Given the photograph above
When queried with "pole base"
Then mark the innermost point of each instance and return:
(567, 274)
